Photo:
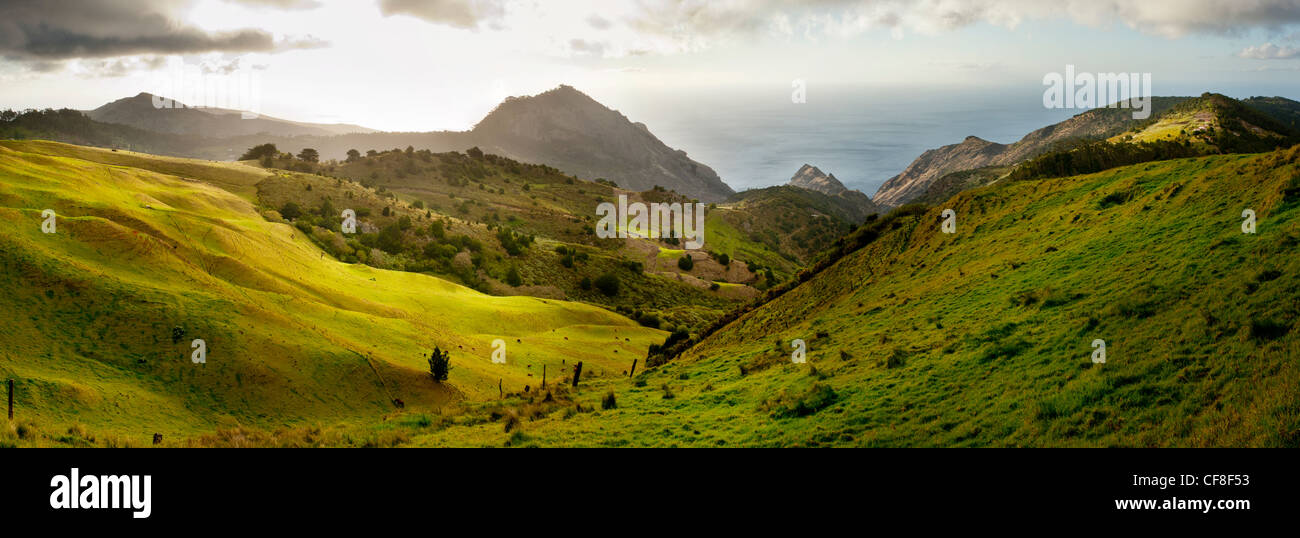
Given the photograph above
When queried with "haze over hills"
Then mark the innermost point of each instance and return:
(143, 111)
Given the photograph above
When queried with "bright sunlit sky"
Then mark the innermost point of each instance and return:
(427, 65)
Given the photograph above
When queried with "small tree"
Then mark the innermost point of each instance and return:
(259, 151)
(354, 155)
(310, 155)
(290, 211)
(685, 263)
(513, 278)
(439, 364)
(607, 284)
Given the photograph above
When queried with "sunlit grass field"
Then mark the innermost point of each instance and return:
(979, 338)
(103, 312)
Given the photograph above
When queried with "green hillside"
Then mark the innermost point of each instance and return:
(984, 337)
(103, 312)
(915, 337)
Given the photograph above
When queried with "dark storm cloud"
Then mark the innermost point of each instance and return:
(50, 30)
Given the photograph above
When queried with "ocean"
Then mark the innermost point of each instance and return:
(863, 136)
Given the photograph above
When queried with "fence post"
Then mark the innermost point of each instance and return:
(633, 370)
(577, 372)
(11, 399)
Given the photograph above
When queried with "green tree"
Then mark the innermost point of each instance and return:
(327, 210)
(259, 151)
(512, 277)
(439, 364)
(390, 239)
(685, 263)
(607, 284)
(310, 155)
(353, 155)
(290, 211)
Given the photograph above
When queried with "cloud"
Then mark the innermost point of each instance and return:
(598, 22)
(1269, 51)
(583, 46)
(40, 32)
(696, 23)
(468, 14)
(280, 4)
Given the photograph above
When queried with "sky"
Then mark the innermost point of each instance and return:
(408, 65)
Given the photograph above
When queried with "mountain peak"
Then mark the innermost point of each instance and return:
(569, 130)
(812, 178)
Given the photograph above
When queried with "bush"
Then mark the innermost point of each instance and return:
(607, 284)
(290, 211)
(648, 320)
(512, 277)
(439, 364)
(897, 359)
(608, 402)
(1267, 329)
(685, 263)
(668, 392)
(585, 283)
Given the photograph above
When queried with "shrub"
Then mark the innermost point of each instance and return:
(607, 284)
(648, 320)
(816, 398)
(1267, 329)
(290, 211)
(685, 263)
(608, 402)
(897, 358)
(439, 364)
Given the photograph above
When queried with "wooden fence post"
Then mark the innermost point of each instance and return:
(633, 370)
(543, 377)
(11, 399)
(501, 393)
(577, 372)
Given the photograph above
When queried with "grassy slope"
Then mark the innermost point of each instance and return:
(469, 194)
(292, 336)
(991, 329)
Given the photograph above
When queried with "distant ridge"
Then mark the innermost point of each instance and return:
(1221, 123)
(140, 112)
